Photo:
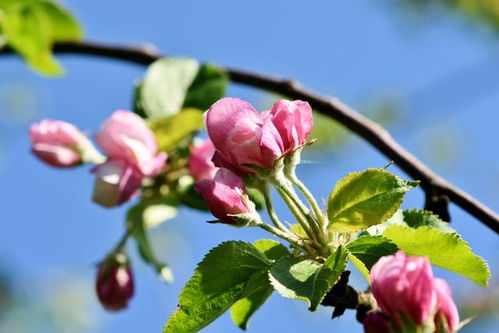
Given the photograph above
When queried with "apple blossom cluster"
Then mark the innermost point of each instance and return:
(246, 150)
(409, 297)
(130, 148)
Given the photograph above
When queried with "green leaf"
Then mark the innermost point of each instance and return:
(220, 280)
(207, 88)
(31, 27)
(369, 249)
(360, 266)
(64, 27)
(446, 250)
(163, 90)
(257, 292)
(272, 249)
(366, 198)
(157, 213)
(415, 218)
(259, 289)
(135, 220)
(307, 279)
(378, 229)
(171, 130)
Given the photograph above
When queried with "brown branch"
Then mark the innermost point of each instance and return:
(437, 189)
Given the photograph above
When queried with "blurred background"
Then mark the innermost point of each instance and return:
(427, 70)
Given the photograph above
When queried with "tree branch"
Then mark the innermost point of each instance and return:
(436, 188)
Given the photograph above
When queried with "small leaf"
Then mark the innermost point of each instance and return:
(366, 198)
(135, 220)
(207, 88)
(307, 279)
(155, 214)
(165, 85)
(446, 250)
(220, 280)
(369, 249)
(171, 130)
(31, 27)
(415, 218)
(64, 27)
(272, 249)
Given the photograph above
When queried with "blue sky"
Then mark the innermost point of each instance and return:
(441, 69)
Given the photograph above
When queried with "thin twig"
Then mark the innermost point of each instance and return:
(433, 185)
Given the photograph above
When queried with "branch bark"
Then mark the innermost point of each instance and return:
(437, 189)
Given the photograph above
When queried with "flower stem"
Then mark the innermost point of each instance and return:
(317, 232)
(308, 195)
(281, 234)
(270, 208)
(296, 212)
(130, 226)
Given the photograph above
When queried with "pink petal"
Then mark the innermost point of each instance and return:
(222, 117)
(446, 307)
(224, 195)
(57, 156)
(116, 182)
(200, 164)
(293, 120)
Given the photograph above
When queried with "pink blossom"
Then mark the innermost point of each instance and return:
(446, 314)
(58, 143)
(125, 136)
(242, 136)
(200, 164)
(403, 287)
(376, 322)
(225, 195)
(116, 182)
(293, 120)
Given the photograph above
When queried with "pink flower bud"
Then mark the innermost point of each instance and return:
(126, 136)
(225, 195)
(58, 143)
(446, 314)
(200, 164)
(116, 182)
(376, 322)
(114, 285)
(293, 120)
(403, 287)
(242, 136)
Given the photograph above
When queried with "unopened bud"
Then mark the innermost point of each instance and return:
(114, 284)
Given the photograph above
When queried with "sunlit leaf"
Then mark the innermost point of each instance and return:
(171, 130)
(31, 27)
(162, 92)
(366, 198)
(446, 250)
